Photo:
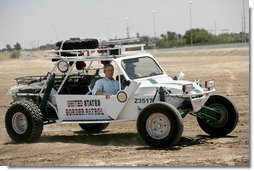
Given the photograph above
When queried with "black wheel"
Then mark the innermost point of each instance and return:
(228, 120)
(160, 125)
(24, 121)
(94, 128)
(76, 43)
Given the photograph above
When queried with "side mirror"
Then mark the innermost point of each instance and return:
(181, 76)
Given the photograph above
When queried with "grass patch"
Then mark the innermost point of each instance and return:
(9, 55)
(5, 55)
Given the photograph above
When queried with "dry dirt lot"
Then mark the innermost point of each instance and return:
(119, 145)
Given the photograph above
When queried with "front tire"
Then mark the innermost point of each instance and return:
(160, 125)
(228, 120)
(24, 121)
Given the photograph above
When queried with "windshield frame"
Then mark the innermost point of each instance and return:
(158, 67)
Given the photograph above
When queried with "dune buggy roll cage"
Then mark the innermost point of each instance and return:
(99, 54)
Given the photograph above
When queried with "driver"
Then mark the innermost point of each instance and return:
(130, 70)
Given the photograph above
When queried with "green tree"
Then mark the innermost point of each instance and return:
(17, 46)
(198, 36)
(164, 37)
(8, 47)
(179, 37)
(171, 36)
(145, 39)
(138, 35)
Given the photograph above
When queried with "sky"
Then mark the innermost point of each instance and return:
(33, 23)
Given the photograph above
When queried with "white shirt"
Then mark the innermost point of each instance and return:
(109, 86)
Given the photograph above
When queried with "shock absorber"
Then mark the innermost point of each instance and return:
(162, 94)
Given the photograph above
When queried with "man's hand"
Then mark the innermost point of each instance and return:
(103, 93)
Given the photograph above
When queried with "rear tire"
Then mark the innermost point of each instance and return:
(160, 125)
(228, 120)
(24, 121)
(94, 128)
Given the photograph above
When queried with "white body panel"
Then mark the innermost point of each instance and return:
(127, 103)
(93, 107)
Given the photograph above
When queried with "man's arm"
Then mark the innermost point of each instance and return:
(100, 93)
(98, 87)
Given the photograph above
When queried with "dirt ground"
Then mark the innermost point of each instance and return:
(119, 145)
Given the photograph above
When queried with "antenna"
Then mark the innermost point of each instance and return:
(50, 20)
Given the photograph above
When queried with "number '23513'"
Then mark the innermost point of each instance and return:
(143, 100)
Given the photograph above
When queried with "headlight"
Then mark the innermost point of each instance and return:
(209, 84)
(187, 88)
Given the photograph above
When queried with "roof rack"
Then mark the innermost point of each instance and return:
(124, 41)
(117, 51)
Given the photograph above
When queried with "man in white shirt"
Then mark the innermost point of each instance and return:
(108, 85)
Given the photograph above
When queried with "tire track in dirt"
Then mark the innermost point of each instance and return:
(230, 83)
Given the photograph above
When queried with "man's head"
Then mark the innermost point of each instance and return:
(130, 69)
(130, 66)
(109, 70)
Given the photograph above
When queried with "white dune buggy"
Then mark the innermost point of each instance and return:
(147, 94)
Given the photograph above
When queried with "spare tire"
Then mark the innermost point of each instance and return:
(77, 43)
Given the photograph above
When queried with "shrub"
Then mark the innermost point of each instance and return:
(15, 54)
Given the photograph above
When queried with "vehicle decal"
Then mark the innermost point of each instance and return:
(153, 81)
(121, 96)
(143, 100)
(86, 107)
(89, 111)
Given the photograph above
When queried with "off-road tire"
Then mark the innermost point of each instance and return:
(24, 121)
(226, 123)
(94, 128)
(78, 44)
(160, 125)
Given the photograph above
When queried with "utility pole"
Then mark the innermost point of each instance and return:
(190, 2)
(107, 29)
(244, 26)
(215, 26)
(154, 32)
(127, 28)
